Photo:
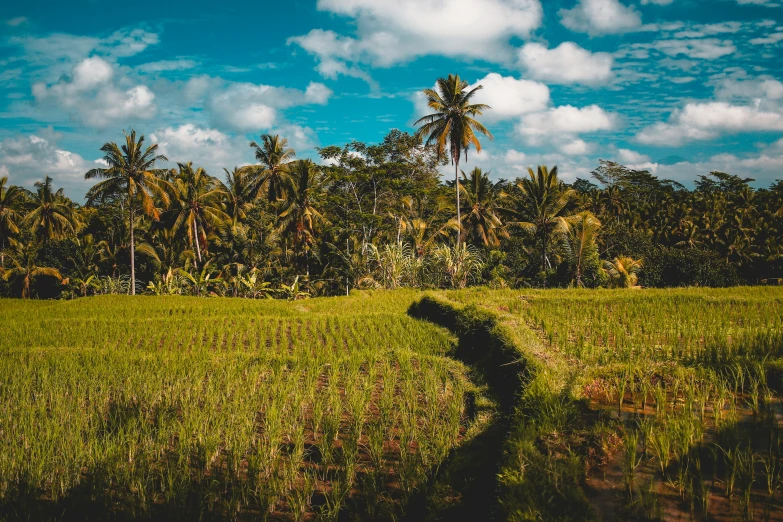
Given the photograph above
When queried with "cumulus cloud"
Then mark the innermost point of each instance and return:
(705, 121)
(566, 63)
(396, 31)
(251, 107)
(510, 97)
(564, 123)
(599, 17)
(761, 90)
(27, 159)
(576, 147)
(628, 157)
(92, 94)
(205, 147)
(507, 96)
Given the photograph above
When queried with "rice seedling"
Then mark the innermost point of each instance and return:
(177, 407)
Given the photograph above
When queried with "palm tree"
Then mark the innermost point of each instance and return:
(274, 154)
(130, 174)
(196, 205)
(24, 268)
(452, 124)
(51, 214)
(11, 198)
(541, 204)
(238, 190)
(300, 214)
(479, 201)
(582, 242)
(623, 272)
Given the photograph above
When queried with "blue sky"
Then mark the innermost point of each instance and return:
(678, 87)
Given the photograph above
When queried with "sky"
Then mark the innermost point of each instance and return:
(676, 87)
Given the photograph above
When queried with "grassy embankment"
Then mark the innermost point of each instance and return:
(632, 404)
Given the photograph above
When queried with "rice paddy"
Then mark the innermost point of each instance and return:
(626, 405)
(191, 408)
(667, 403)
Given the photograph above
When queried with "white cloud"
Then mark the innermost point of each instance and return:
(167, 65)
(205, 147)
(564, 123)
(509, 97)
(706, 48)
(705, 121)
(66, 49)
(598, 17)
(251, 107)
(566, 63)
(30, 158)
(515, 156)
(657, 2)
(391, 32)
(14, 22)
(764, 167)
(772, 39)
(761, 91)
(767, 3)
(93, 95)
(576, 147)
(627, 157)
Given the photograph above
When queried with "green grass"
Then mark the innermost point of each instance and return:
(350, 408)
(176, 407)
(677, 389)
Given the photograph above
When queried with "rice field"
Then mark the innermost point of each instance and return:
(661, 404)
(632, 405)
(187, 408)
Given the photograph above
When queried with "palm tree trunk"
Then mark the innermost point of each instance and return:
(543, 259)
(195, 239)
(133, 252)
(456, 185)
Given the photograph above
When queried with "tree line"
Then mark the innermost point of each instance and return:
(379, 215)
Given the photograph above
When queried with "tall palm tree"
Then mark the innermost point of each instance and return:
(300, 215)
(479, 201)
(24, 267)
(452, 125)
(541, 205)
(238, 190)
(11, 199)
(274, 155)
(196, 205)
(582, 242)
(130, 174)
(51, 214)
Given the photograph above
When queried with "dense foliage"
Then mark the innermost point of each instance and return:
(378, 216)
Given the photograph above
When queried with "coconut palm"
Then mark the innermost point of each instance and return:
(24, 268)
(582, 243)
(274, 155)
(196, 205)
(238, 190)
(129, 174)
(300, 215)
(11, 199)
(623, 272)
(541, 204)
(51, 214)
(479, 203)
(452, 127)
